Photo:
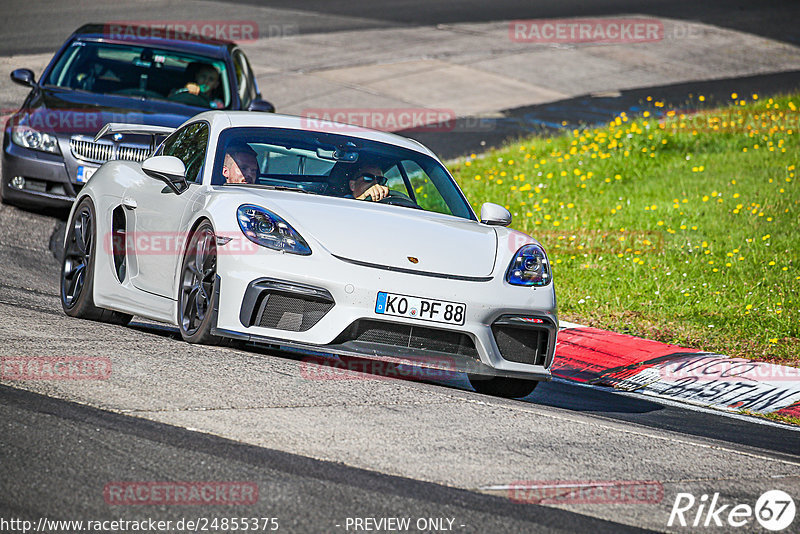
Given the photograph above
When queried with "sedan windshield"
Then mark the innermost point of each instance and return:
(336, 165)
(142, 72)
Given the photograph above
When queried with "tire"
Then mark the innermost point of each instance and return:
(77, 269)
(197, 293)
(501, 386)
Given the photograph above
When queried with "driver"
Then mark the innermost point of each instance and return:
(370, 182)
(240, 165)
(206, 80)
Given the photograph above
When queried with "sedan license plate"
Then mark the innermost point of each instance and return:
(436, 311)
(84, 173)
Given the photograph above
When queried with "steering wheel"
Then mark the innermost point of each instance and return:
(396, 198)
(184, 97)
(138, 92)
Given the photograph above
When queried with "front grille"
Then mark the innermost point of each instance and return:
(412, 337)
(102, 151)
(521, 344)
(293, 313)
(133, 153)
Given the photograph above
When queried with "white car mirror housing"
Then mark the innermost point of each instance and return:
(495, 215)
(169, 170)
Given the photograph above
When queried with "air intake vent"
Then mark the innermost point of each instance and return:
(521, 344)
(290, 312)
(412, 337)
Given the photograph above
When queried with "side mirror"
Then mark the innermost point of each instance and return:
(495, 215)
(261, 105)
(23, 77)
(169, 170)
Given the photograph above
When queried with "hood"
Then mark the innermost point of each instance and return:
(70, 112)
(387, 235)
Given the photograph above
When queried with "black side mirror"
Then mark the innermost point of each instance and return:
(24, 77)
(169, 170)
(261, 105)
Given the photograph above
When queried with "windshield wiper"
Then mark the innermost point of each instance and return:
(277, 188)
(287, 188)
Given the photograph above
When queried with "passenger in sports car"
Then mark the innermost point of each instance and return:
(369, 182)
(240, 164)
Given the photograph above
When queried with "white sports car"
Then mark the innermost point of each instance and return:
(318, 237)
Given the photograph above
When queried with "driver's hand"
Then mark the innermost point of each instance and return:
(193, 88)
(376, 192)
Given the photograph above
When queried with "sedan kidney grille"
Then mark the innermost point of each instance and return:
(100, 152)
(131, 153)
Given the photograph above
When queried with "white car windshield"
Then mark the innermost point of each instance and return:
(336, 165)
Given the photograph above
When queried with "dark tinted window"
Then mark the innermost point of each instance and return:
(142, 72)
(189, 145)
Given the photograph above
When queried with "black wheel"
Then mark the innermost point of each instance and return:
(501, 386)
(77, 269)
(197, 299)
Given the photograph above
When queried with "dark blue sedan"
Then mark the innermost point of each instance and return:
(49, 150)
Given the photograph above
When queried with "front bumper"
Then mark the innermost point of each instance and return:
(500, 321)
(47, 183)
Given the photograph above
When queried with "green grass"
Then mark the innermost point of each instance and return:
(779, 418)
(683, 229)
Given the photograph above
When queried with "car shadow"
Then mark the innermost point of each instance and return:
(556, 394)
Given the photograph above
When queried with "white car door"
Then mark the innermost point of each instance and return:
(160, 215)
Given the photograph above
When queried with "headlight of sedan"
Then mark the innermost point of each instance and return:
(529, 267)
(264, 228)
(32, 138)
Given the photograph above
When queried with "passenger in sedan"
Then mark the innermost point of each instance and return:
(240, 165)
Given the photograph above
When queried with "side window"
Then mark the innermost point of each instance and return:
(189, 145)
(394, 180)
(244, 75)
(427, 195)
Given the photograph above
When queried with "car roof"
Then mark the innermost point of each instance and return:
(235, 119)
(126, 33)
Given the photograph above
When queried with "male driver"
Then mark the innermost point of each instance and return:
(206, 80)
(240, 164)
(369, 182)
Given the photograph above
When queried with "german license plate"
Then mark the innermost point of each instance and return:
(84, 173)
(431, 310)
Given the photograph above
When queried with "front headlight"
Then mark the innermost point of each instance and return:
(529, 267)
(264, 228)
(32, 138)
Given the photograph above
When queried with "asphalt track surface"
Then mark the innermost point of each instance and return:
(59, 446)
(29, 27)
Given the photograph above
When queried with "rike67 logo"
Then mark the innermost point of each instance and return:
(774, 510)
